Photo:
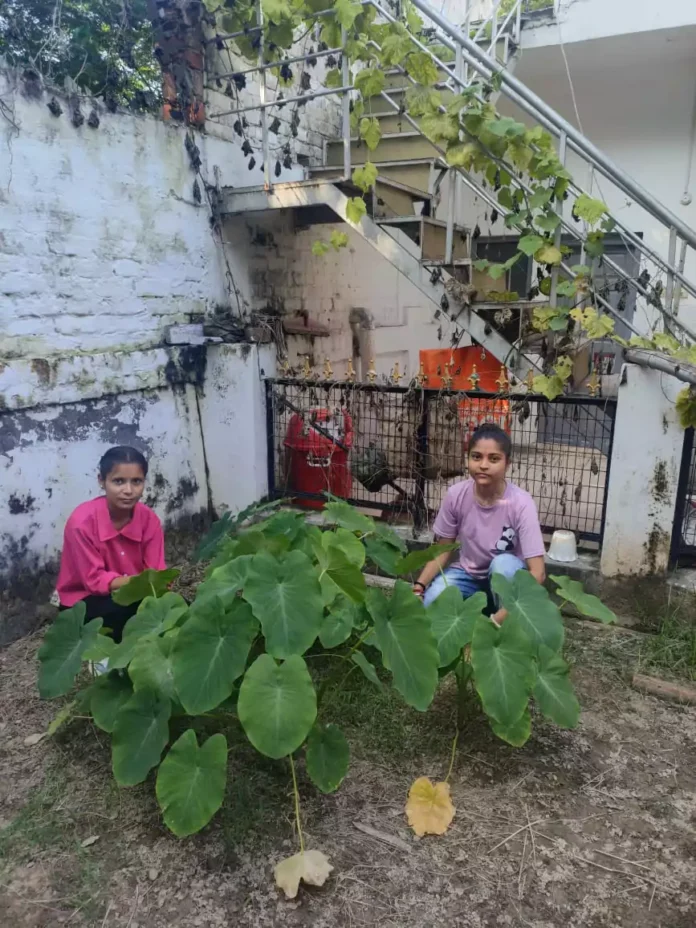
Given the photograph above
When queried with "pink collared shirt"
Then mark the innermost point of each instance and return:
(95, 553)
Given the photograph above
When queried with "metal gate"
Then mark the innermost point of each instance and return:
(684, 532)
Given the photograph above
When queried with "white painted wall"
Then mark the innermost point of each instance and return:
(327, 288)
(101, 248)
(644, 475)
(233, 420)
(49, 453)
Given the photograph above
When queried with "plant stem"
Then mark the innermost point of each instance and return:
(454, 751)
(330, 679)
(297, 804)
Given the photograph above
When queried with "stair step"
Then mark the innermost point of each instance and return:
(404, 146)
(414, 174)
(395, 79)
(430, 235)
(378, 106)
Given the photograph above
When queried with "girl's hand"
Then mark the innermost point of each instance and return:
(419, 589)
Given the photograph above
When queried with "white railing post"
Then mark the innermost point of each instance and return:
(262, 100)
(553, 296)
(345, 106)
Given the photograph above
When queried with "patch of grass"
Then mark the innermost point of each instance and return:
(380, 724)
(46, 828)
(672, 651)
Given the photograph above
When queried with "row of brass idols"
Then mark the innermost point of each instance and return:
(421, 378)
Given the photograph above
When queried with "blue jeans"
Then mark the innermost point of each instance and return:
(505, 564)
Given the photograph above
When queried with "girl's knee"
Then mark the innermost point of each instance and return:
(507, 565)
(437, 587)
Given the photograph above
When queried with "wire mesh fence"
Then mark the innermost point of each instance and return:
(684, 534)
(395, 450)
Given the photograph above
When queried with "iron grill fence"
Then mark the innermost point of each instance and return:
(684, 533)
(395, 450)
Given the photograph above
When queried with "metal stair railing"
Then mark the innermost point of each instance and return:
(473, 63)
(679, 233)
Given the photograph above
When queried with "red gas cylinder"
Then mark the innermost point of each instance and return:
(315, 462)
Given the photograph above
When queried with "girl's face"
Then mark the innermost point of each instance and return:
(123, 485)
(487, 462)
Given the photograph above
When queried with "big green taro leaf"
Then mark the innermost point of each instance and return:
(416, 560)
(383, 554)
(554, 692)
(140, 734)
(328, 756)
(338, 624)
(226, 581)
(191, 782)
(516, 734)
(404, 637)
(452, 619)
(368, 670)
(209, 544)
(528, 601)
(210, 653)
(151, 667)
(586, 603)
(154, 617)
(286, 599)
(348, 543)
(107, 696)
(504, 671)
(64, 644)
(390, 537)
(338, 571)
(277, 705)
(347, 517)
(148, 583)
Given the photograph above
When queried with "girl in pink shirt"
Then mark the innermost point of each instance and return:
(495, 523)
(110, 539)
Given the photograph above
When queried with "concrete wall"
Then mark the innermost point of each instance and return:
(285, 274)
(644, 475)
(197, 414)
(102, 247)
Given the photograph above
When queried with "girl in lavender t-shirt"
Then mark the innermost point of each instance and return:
(494, 521)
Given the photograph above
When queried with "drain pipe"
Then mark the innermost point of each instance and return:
(362, 326)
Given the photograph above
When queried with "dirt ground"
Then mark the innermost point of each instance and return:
(582, 829)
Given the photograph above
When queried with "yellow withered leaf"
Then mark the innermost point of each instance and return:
(429, 807)
(311, 866)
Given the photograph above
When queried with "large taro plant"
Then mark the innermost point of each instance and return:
(275, 590)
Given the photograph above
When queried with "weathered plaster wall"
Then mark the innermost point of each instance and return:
(197, 414)
(644, 475)
(326, 289)
(102, 244)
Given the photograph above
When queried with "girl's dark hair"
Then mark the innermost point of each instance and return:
(493, 432)
(122, 454)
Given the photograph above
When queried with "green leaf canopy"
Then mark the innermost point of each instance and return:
(60, 655)
(286, 599)
(530, 603)
(553, 690)
(407, 644)
(328, 756)
(148, 583)
(191, 782)
(453, 619)
(210, 653)
(140, 734)
(277, 705)
(572, 591)
(504, 671)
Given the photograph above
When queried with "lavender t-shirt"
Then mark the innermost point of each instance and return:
(509, 526)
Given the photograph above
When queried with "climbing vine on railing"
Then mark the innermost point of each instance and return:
(518, 166)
